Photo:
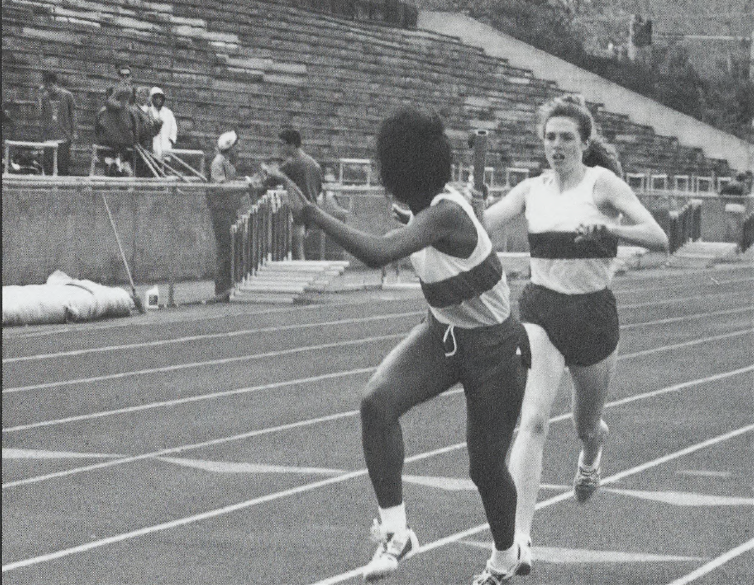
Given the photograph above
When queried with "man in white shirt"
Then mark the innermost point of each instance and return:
(168, 135)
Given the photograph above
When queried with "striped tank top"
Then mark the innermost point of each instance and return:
(558, 262)
(464, 292)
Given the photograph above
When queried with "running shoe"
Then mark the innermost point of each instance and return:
(526, 557)
(391, 549)
(586, 483)
(492, 577)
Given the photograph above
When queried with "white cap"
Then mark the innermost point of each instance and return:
(227, 140)
(156, 91)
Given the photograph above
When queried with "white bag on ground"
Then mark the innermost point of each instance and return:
(63, 299)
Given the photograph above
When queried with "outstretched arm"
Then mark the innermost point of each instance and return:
(513, 204)
(426, 228)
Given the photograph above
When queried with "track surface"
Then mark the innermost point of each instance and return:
(221, 445)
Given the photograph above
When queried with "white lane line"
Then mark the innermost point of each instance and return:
(249, 357)
(274, 329)
(213, 395)
(705, 473)
(189, 399)
(680, 285)
(329, 481)
(688, 317)
(689, 343)
(224, 393)
(684, 300)
(215, 362)
(245, 332)
(48, 331)
(308, 422)
(714, 563)
(180, 318)
(207, 336)
(556, 499)
(573, 556)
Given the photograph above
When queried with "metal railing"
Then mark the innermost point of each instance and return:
(684, 225)
(747, 233)
(261, 235)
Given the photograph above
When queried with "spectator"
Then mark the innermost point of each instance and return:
(116, 127)
(736, 187)
(306, 173)
(148, 127)
(124, 80)
(58, 112)
(223, 207)
(168, 134)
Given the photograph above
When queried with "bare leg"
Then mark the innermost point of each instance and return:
(526, 454)
(590, 387)
(414, 371)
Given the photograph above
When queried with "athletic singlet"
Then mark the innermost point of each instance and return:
(464, 292)
(557, 261)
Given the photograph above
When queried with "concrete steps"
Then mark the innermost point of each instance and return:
(287, 280)
(704, 254)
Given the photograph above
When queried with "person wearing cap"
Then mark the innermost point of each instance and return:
(116, 126)
(168, 134)
(223, 208)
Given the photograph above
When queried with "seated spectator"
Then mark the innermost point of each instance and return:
(165, 140)
(736, 187)
(116, 126)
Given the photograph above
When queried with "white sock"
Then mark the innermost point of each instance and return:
(501, 561)
(393, 519)
(594, 465)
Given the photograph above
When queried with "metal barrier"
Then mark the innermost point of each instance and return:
(747, 236)
(684, 225)
(261, 235)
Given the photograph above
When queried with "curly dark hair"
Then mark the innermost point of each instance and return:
(414, 156)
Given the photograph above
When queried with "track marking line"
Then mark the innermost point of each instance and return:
(715, 563)
(273, 385)
(216, 362)
(257, 356)
(308, 422)
(10, 453)
(189, 399)
(338, 479)
(246, 332)
(705, 473)
(243, 467)
(207, 336)
(570, 556)
(48, 331)
(685, 499)
(453, 538)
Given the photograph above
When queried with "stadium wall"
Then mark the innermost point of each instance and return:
(61, 224)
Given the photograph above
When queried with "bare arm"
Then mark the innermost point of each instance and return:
(643, 230)
(427, 227)
(513, 204)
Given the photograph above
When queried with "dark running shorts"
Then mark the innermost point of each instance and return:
(584, 328)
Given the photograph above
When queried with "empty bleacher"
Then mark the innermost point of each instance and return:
(259, 64)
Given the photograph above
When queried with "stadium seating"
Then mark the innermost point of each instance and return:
(259, 64)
